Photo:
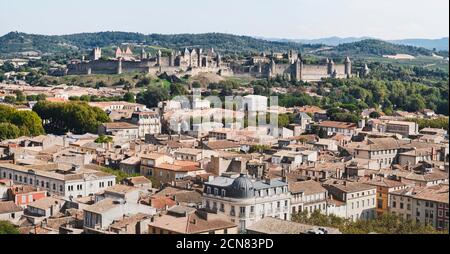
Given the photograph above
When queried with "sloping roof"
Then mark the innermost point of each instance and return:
(338, 125)
(9, 207)
(120, 125)
(269, 225)
(307, 187)
(222, 144)
(45, 203)
(191, 224)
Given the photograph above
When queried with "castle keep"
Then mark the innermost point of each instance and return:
(289, 66)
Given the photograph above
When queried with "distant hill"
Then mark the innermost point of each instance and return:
(16, 42)
(372, 47)
(438, 44)
(333, 41)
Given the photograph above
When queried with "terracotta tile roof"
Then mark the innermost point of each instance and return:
(191, 223)
(222, 144)
(160, 203)
(181, 166)
(120, 125)
(9, 207)
(347, 186)
(438, 193)
(307, 187)
(338, 125)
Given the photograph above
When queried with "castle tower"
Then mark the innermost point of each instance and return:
(199, 56)
(118, 53)
(143, 54)
(272, 68)
(219, 60)
(171, 59)
(119, 66)
(365, 71)
(297, 73)
(330, 66)
(334, 74)
(158, 58)
(348, 67)
(96, 54)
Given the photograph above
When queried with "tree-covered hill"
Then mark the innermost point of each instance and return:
(15, 42)
(372, 47)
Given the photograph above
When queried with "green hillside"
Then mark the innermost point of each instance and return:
(15, 42)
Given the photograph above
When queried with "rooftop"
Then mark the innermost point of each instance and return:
(307, 187)
(338, 125)
(269, 225)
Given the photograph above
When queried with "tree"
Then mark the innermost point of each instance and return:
(9, 99)
(374, 114)
(77, 117)
(104, 139)
(5, 113)
(196, 84)
(8, 131)
(283, 120)
(177, 89)
(7, 227)
(152, 96)
(129, 97)
(29, 123)
(259, 90)
(20, 96)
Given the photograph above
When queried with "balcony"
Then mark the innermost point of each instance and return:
(242, 215)
(232, 213)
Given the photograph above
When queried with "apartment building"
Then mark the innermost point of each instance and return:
(245, 201)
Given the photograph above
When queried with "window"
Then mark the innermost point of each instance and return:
(25, 179)
(394, 204)
(37, 182)
(61, 188)
(222, 207)
(4, 174)
(24, 199)
(54, 186)
(216, 191)
(10, 176)
(223, 193)
(47, 185)
(20, 178)
(208, 190)
(15, 177)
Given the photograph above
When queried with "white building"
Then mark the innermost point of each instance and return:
(255, 103)
(245, 201)
(69, 182)
(148, 122)
(358, 197)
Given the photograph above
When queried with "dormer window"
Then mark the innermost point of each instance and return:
(208, 190)
(216, 191)
(223, 193)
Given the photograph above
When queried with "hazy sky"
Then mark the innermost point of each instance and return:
(294, 19)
